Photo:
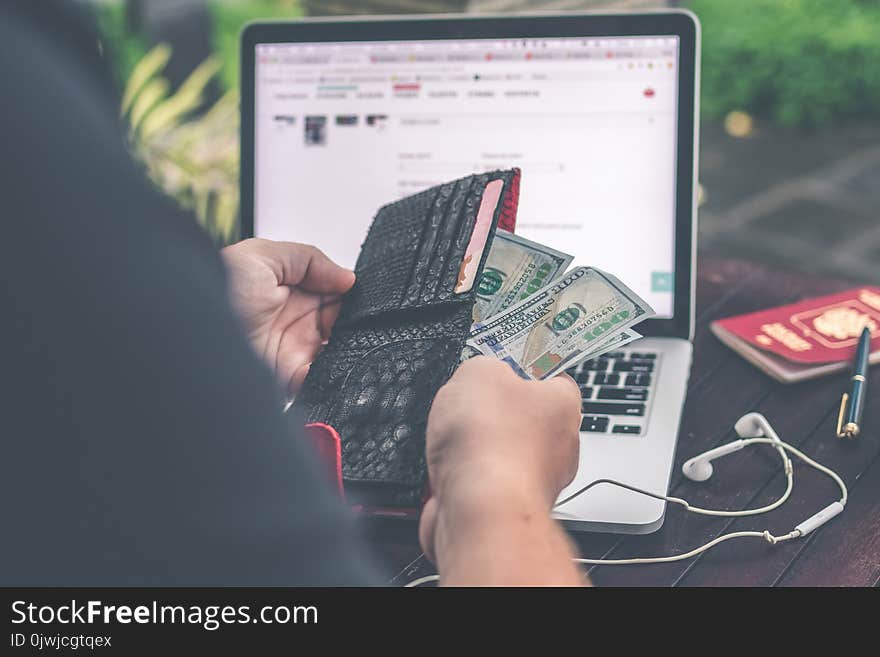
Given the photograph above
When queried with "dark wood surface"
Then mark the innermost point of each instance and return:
(722, 387)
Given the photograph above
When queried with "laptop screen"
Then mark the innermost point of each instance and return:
(343, 128)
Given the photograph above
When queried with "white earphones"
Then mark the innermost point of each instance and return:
(752, 429)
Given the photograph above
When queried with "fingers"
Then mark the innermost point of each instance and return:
(304, 350)
(484, 366)
(294, 353)
(296, 381)
(566, 389)
(327, 314)
(306, 267)
(561, 386)
(566, 395)
(427, 528)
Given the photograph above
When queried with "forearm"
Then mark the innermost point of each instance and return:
(508, 540)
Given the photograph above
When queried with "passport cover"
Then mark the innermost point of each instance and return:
(806, 339)
(399, 337)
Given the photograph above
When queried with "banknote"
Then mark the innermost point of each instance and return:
(613, 342)
(568, 320)
(469, 351)
(515, 268)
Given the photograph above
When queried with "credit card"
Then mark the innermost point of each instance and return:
(468, 272)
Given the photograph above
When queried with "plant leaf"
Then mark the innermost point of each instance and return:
(186, 99)
(153, 93)
(151, 64)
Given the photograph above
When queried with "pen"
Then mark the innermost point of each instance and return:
(850, 428)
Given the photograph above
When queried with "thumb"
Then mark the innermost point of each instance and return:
(308, 267)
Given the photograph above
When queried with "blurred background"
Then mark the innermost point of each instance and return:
(790, 113)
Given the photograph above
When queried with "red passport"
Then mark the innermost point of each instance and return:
(807, 339)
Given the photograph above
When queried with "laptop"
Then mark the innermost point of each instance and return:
(597, 110)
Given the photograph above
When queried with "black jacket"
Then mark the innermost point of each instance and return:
(142, 439)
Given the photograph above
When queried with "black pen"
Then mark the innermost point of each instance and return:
(850, 428)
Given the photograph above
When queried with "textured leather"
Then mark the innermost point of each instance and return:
(398, 338)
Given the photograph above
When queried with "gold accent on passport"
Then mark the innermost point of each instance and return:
(842, 323)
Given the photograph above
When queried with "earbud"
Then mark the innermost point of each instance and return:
(699, 468)
(754, 425)
(751, 425)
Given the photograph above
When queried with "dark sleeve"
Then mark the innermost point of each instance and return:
(143, 441)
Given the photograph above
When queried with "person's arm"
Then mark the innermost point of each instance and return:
(499, 451)
(500, 533)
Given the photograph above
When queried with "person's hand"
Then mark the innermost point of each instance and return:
(288, 296)
(495, 438)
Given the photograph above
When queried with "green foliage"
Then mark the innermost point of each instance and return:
(192, 156)
(121, 48)
(230, 17)
(798, 62)
(125, 49)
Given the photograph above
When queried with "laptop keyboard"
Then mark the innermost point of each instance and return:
(616, 391)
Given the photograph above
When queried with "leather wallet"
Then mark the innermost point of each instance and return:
(399, 336)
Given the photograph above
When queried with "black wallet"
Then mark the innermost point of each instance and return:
(399, 336)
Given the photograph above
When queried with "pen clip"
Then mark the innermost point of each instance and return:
(843, 401)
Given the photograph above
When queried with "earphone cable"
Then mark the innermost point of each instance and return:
(767, 536)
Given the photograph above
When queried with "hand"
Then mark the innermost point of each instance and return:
(493, 437)
(288, 296)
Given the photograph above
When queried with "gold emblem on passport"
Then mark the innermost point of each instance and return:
(839, 325)
(843, 323)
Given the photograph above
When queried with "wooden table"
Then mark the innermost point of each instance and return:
(723, 386)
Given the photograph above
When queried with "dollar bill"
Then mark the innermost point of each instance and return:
(614, 342)
(568, 320)
(515, 269)
(469, 351)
